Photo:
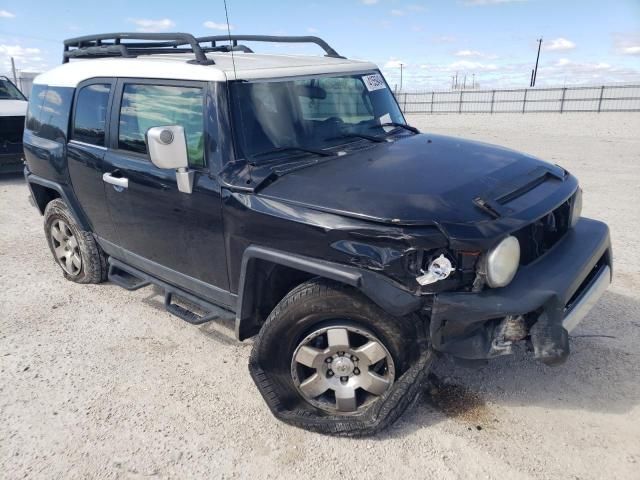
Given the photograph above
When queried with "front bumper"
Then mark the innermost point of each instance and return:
(12, 162)
(557, 291)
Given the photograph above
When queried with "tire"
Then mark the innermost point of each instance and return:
(75, 251)
(310, 311)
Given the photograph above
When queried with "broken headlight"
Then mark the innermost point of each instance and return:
(576, 208)
(500, 264)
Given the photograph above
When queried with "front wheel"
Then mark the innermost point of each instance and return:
(329, 360)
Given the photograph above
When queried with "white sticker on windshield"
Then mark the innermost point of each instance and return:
(374, 82)
(386, 118)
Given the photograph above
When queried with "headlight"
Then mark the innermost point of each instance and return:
(576, 208)
(501, 262)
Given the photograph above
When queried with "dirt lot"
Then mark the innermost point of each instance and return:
(99, 382)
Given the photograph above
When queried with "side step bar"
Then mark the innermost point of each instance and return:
(132, 279)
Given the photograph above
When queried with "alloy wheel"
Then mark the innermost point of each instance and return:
(65, 247)
(342, 369)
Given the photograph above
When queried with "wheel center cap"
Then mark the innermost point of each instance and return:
(342, 366)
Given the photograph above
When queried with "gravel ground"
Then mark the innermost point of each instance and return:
(99, 382)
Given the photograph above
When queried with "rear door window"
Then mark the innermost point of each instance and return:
(35, 107)
(144, 106)
(91, 114)
(48, 115)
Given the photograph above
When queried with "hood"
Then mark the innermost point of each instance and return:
(13, 108)
(419, 180)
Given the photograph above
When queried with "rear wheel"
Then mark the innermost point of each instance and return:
(329, 360)
(74, 250)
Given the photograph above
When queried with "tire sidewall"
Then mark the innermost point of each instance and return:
(56, 210)
(292, 320)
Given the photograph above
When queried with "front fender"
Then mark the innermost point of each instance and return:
(387, 294)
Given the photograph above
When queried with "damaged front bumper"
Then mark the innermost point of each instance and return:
(553, 294)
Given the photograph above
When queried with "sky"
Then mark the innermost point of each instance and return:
(491, 42)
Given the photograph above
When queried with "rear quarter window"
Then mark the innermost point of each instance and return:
(48, 113)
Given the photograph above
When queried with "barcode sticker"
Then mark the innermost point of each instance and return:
(374, 82)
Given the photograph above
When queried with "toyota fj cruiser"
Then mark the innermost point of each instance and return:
(13, 106)
(289, 193)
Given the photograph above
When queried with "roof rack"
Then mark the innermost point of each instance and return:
(269, 38)
(112, 45)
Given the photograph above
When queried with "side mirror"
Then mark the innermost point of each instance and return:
(167, 148)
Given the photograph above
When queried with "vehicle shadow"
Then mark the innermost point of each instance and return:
(601, 375)
(220, 329)
(12, 178)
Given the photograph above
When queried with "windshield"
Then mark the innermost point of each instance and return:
(316, 112)
(8, 91)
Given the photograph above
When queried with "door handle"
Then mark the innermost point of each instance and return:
(117, 181)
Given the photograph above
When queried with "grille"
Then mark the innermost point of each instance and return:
(11, 129)
(540, 236)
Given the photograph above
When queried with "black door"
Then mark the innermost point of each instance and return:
(173, 235)
(86, 150)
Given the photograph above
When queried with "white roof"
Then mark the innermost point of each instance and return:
(248, 66)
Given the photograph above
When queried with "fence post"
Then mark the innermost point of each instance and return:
(564, 91)
(493, 95)
(404, 109)
(432, 101)
(524, 101)
(600, 100)
(460, 104)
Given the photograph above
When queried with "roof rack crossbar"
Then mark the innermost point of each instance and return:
(110, 44)
(330, 52)
(134, 44)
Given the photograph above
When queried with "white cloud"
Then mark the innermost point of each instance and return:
(466, 65)
(395, 63)
(148, 25)
(476, 54)
(631, 50)
(217, 26)
(582, 67)
(416, 8)
(369, 2)
(312, 30)
(474, 3)
(26, 58)
(559, 44)
(397, 13)
(627, 43)
(6, 14)
(17, 51)
(468, 53)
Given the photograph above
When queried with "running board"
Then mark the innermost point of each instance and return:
(132, 279)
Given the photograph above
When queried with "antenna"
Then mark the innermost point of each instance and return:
(233, 60)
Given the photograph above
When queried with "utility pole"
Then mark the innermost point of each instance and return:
(13, 69)
(401, 65)
(464, 82)
(534, 74)
(473, 85)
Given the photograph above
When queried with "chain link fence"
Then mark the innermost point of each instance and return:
(603, 98)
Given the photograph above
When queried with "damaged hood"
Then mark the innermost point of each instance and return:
(419, 180)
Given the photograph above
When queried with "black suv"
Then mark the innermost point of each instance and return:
(289, 193)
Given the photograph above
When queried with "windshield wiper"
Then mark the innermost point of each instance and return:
(398, 125)
(371, 138)
(311, 151)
